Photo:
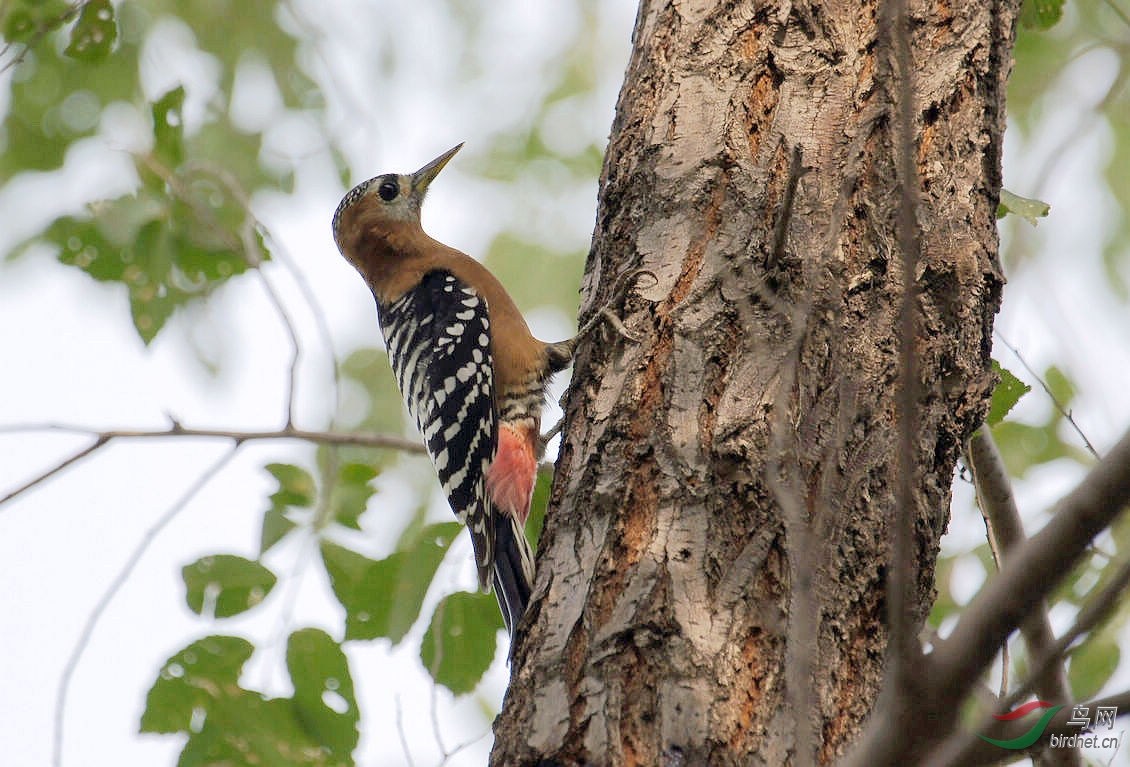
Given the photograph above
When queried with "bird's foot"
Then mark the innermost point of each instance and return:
(621, 287)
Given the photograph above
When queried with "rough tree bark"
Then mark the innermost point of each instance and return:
(711, 578)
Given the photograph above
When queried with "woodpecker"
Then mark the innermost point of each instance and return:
(471, 374)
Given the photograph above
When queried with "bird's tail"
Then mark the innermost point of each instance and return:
(513, 568)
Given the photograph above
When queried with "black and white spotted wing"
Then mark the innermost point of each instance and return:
(438, 339)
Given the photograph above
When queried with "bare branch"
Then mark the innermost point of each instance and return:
(355, 439)
(957, 750)
(282, 257)
(116, 585)
(1118, 12)
(98, 444)
(465, 744)
(1030, 574)
(994, 495)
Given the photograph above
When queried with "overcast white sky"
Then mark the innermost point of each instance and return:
(72, 357)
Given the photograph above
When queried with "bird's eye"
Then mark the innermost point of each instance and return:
(388, 190)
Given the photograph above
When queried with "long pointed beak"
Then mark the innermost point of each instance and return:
(425, 175)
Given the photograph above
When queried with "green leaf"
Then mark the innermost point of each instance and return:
(151, 299)
(1041, 14)
(168, 129)
(535, 523)
(423, 538)
(461, 640)
(1092, 664)
(1027, 208)
(1024, 445)
(198, 693)
(126, 242)
(276, 525)
(1006, 394)
(190, 679)
(323, 690)
(244, 729)
(93, 36)
(382, 598)
(24, 21)
(296, 488)
(351, 493)
(227, 584)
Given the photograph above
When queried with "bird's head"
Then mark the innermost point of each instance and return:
(384, 201)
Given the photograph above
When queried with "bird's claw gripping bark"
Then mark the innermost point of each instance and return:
(621, 287)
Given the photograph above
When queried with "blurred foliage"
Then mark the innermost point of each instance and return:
(1052, 36)
(197, 693)
(1025, 446)
(1041, 14)
(78, 74)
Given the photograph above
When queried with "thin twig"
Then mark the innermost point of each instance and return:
(116, 585)
(1035, 569)
(998, 557)
(401, 733)
(437, 731)
(246, 244)
(251, 225)
(307, 554)
(781, 228)
(283, 258)
(355, 439)
(98, 443)
(292, 337)
(1090, 616)
(465, 744)
(1043, 385)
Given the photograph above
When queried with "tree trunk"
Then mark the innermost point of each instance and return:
(712, 574)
